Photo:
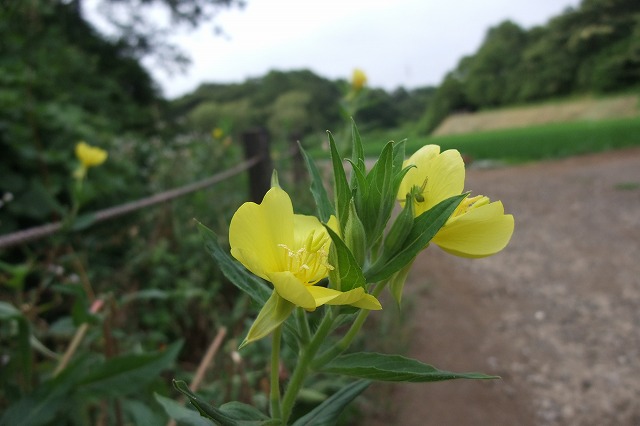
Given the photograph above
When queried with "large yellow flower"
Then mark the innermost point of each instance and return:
(290, 251)
(478, 227)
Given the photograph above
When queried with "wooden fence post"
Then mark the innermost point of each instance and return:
(256, 144)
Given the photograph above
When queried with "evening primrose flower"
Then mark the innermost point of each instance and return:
(89, 156)
(291, 252)
(358, 79)
(478, 227)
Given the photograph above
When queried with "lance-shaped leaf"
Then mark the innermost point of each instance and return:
(346, 274)
(234, 271)
(393, 368)
(181, 414)
(424, 228)
(325, 209)
(231, 414)
(127, 374)
(342, 191)
(357, 156)
(327, 413)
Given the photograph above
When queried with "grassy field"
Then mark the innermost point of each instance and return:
(527, 144)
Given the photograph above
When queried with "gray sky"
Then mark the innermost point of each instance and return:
(408, 43)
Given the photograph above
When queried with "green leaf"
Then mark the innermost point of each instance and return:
(327, 413)
(181, 414)
(425, 227)
(227, 415)
(127, 374)
(378, 201)
(357, 156)
(346, 274)
(325, 209)
(233, 270)
(393, 368)
(10, 313)
(274, 312)
(342, 192)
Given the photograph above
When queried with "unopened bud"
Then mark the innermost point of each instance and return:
(400, 229)
(354, 235)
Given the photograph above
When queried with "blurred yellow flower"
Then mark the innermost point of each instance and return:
(90, 156)
(478, 227)
(358, 79)
(217, 133)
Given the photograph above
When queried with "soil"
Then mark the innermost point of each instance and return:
(556, 314)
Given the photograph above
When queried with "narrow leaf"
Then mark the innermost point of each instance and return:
(234, 271)
(357, 156)
(396, 283)
(342, 192)
(204, 408)
(181, 414)
(346, 274)
(127, 374)
(325, 209)
(393, 368)
(327, 413)
(424, 229)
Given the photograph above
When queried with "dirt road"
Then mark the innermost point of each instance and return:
(556, 315)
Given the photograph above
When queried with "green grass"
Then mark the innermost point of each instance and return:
(526, 144)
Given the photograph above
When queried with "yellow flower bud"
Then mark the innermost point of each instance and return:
(358, 79)
(90, 156)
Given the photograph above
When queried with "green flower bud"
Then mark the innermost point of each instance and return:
(354, 235)
(400, 229)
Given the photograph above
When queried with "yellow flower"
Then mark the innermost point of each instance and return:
(90, 156)
(358, 79)
(290, 251)
(478, 227)
(217, 133)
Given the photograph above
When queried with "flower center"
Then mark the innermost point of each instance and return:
(309, 263)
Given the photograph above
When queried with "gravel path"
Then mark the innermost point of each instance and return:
(556, 315)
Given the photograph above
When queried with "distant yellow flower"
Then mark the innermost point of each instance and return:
(358, 79)
(217, 133)
(478, 227)
(90, 156)
(290, 251)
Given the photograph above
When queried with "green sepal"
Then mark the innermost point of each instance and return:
(327, 413)
(230, 414)
(347, 273)
(425, 227)
(397, 280)
(274, 312)
(400, 229)
(392, 368)
(325, 208)
(342, 192)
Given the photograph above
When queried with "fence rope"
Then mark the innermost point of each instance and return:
(35, 233)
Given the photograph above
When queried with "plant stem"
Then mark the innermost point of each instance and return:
(303, 326)
(346, 341)
(274, 396)
(302, 368)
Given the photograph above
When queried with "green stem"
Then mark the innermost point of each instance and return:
(346, 341)
(302, 367)
(274, 397)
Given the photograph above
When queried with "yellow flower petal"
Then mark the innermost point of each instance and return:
(438, 175)
(256, 230)
(356, 297)
(481, 232)
(90, 156)
(291, 288)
